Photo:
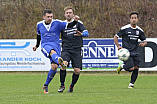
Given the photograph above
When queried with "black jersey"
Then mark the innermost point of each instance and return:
(69, 41)
(130, 37)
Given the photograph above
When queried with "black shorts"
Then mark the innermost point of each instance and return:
(132, 61)
(74, 56)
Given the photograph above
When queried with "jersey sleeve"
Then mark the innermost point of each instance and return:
(38, 36)
(63, 25)
(120, 33)
(71, 24)
(83, 30)
(142, 36)
(38, 31)
(38, 40)
(81, 27)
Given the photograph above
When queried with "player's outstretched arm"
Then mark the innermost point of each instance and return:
(71, 24)
(84, 34)
(116, 42)
(76, 17)
(38, 42)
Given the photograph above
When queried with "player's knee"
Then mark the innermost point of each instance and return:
(52, 52)
(131, 69)
(54, 66)
(136, 67)
(76, 71)
(65, 63)
(63, 68)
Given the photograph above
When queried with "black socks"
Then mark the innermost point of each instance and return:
(134, 76)
(62, 76)
(74, 79)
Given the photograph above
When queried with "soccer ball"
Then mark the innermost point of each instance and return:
(123, 54)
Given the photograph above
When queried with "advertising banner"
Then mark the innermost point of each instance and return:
(98, 54)
(18, 55)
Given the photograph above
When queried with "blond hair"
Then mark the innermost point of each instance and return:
(69, 7)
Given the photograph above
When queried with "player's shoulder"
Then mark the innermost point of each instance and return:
(40, 22)
(65, 20)
(57, 20)
(139, 28)
(125, 27)
(80, 22)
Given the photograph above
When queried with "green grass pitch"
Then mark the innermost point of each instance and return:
(95, 88)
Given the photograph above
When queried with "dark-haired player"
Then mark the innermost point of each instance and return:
(130, 34)
(71, 48)
(48, 31)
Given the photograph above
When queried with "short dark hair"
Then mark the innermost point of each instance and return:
(47, 11)
(69, 7)
(134, 12)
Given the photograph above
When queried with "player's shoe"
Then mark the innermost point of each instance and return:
(60, 61)
(45, 89)
(119, 67)
(61, 89)
(131, 86)
(70, 89)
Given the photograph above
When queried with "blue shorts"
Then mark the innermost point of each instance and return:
(46, 49)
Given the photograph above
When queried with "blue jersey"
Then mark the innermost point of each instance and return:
(50, 33)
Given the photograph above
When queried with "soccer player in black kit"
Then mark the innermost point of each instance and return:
(71, 48)
(130, 34)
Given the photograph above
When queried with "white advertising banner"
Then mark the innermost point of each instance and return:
(149, 57)
(18, 55)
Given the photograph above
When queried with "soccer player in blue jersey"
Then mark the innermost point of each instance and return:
(130, 35)
(71, 48)
(48, 31)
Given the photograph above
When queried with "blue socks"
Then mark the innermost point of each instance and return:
(55, 58)
(50, 76)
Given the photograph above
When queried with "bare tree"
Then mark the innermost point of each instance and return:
(102, 18)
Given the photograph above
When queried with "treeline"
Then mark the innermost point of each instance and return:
(102, 18)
